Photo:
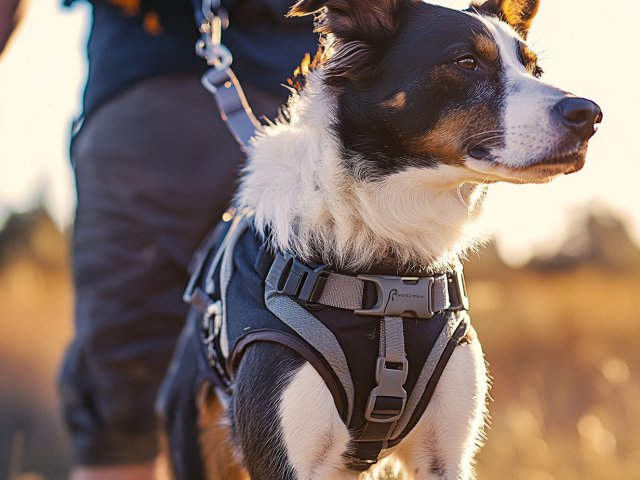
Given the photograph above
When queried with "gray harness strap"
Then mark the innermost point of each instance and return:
(343, 291)
(316, 334)
(455, 319)
(233, 106)
(226, 272)
(418, 297)
(392, 339)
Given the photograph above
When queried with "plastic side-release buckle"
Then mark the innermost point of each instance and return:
(400, 296)
(287, 275)
(386, 401)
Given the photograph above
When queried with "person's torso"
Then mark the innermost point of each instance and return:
(132, 40)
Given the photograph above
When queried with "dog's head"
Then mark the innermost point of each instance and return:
(418, 85)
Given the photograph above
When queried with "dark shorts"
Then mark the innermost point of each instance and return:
(155, 169)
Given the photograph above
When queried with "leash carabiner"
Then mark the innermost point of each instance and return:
(220, 80)
(214, 21)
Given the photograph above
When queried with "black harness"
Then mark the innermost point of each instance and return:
(381, 381)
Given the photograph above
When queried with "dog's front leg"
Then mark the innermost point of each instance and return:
(445, 440)
(285, 420)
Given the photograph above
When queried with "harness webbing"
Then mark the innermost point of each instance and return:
(392, 339)
(317, 335)
(233, 106)
(418, 297)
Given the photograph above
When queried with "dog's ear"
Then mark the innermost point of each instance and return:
(517, 13)
(354, 31)
(372, 22)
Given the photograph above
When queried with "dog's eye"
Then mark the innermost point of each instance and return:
(468, 63)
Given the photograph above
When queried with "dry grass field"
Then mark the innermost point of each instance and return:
(561, 335)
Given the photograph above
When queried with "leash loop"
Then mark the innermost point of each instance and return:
(220, 80)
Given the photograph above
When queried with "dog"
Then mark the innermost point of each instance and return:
(378, 166)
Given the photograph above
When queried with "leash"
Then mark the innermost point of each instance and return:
(220, 80)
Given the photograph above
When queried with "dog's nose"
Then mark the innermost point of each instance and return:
(579, 115)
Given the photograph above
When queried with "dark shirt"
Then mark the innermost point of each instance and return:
(132, 40)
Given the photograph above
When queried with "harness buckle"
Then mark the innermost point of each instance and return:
(387, 401)
(289, 276)
(400, 296)
(457, 291)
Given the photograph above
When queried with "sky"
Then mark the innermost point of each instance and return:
(587, 47)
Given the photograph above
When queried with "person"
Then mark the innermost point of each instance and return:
(155, 168)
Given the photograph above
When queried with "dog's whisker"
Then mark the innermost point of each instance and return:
(481, 133)
(497, 137)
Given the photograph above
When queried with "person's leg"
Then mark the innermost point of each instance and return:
(155, 169)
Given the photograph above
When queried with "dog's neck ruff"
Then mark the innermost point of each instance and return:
(301, 191)
(307, 309)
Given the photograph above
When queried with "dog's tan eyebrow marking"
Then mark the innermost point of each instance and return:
(486, 48)
(528, 57)
(398, 102)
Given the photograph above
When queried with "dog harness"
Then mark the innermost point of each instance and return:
(380, 343)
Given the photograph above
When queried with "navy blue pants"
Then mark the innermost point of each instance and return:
(155, 169)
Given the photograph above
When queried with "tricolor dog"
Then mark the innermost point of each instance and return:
(335, 319)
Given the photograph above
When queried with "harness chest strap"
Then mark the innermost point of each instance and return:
(418, 297)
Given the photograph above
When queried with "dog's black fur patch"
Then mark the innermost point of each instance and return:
(264, 373)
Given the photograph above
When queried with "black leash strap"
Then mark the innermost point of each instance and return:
(220, 80)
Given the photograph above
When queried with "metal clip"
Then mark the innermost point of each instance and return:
(211, 325)
(386, 401)
(218, 56)
(209, 46)
(400, 296)
(212, 328)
